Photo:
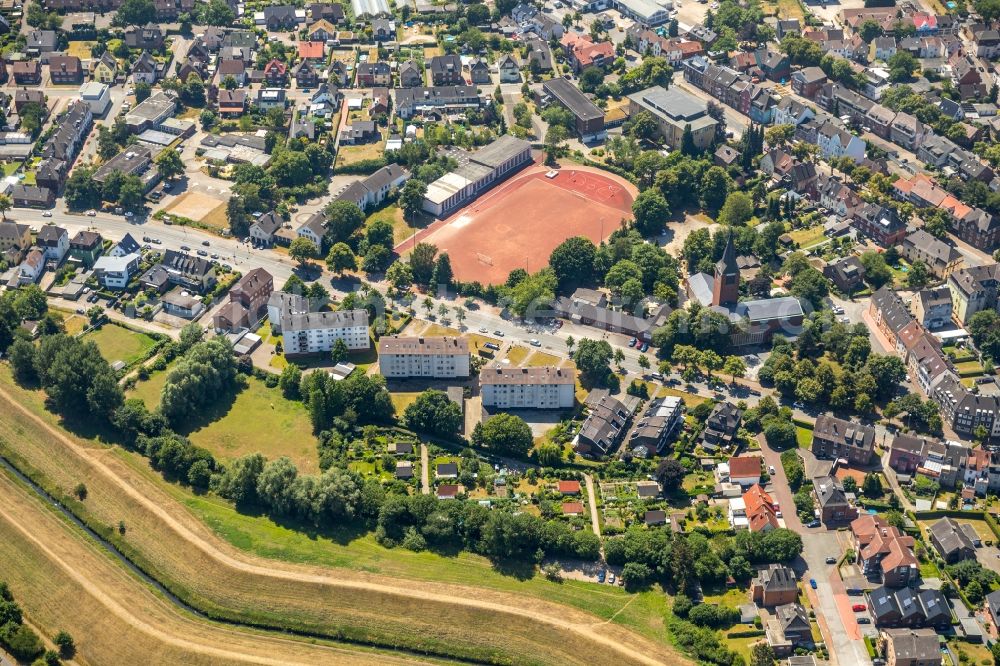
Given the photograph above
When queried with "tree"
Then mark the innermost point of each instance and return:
(554, 137)
(411, 197)
(505, 434)
(399, 275)
(643, 361)
(590, 78)
(135, 12)
(871, 486)
(338, 351)
(207, 371)
(289, 381)
(6, 203)
(688, 146)
(434, 413)
(715, 186)
(735, 367)
(238, 483)
(761, 654)
(422, 263)
(66, 645)
(711, 361)
(302, 250)
(573, 262)
(442, 277)
(169, 164)
(650, 209)
(343, 218)
(216, 12)
(670, 473)
(132, 193)
(341, 258)
(902, 64)
(593, 359)
(737, 210)
(377, 258)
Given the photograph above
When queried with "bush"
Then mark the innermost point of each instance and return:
(712, 615)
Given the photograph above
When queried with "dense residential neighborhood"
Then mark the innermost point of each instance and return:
(636, 331)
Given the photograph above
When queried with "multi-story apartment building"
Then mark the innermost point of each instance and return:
(437, 357)
(312, 332)
(836, 438)
(973, 289)
(527, 388)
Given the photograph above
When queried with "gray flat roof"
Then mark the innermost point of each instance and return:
(673, 103)
(571, 97)
(501, 150)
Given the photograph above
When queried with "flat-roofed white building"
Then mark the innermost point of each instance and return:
(437, 357)
(528, 388)
(477, 171)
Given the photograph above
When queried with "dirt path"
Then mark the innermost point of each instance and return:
(425, 483)
(584, 630)
(595, 521)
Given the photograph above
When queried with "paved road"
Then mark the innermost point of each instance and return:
(830, 600)
(425, 476)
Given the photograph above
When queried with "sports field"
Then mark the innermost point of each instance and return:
(518, 224)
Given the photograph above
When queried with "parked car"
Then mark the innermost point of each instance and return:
(202, 253)
(611, 578)
(831, 560)
(206, 243)
(812, 583)
(600, 576)
(857, 608)
(632, 342)
(482, 329)
(185, 248)
(812, 523)
(864, 619)
(644, 348)
(47, 213)
(534, 343)
(770, 470)
(498, 333)
(492, 345)
(91, 213)
(157, 241)
(147, 239)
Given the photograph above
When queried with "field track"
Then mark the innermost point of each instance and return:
(554, 631)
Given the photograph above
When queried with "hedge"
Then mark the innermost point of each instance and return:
(362, 167)
(746, 633)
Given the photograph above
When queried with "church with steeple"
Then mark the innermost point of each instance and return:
(754, 321)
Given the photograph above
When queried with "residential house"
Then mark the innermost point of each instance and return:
(932, 307)
(582, 52)
(53, 241)
(326, 101)
(835, 142)
(411, 75)
(280, 18)
(184, 270)
(437, 100)
(906, 607)
(963, 410)
(181, 304)
(312, 50)
(773, 586)
(973, 289)
(306, 75)
(970, 77)
(145, 38)
(657, 424)
(374, 74)
(15, 239)
(807, 81)
(31, 268)
(65, 70)
(977, 228)
(145, 69)
(360, 131)
(939, 257)
(40, 43)
(232, 103)
(907, 131)
(889, 313)
(276, 73)
(264, 227)
(115, 272)
(745, 470)
(85, 247)
(910, 647)
(952, 540)
(883, 552)
(323, 30)
(331, 12)
(794, 622)
(32, 196)
(838, 197)
(271, 98)
(438, 357)
(721, 427)
(27, 72)
(760, 509)
(306, 332)
(833, 504)
(846, 273)
(479, 72)
(446, 70)
(383, 30)
(880, 223)
(790, 111)
(605, 425)
(884, 47)
(839, 439)
(510, 70)
(234, 67)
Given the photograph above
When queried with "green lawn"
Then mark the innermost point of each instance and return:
(969, 368)
(808, 237)
(261, 420)
(401, 229)
(803, 436)
(149, 391)
(120, 344)
(403, 400)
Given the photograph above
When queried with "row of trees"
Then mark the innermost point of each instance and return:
(22, 642)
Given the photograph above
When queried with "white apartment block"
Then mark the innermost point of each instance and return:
(312, 332)
(527, 388)
(437, 357)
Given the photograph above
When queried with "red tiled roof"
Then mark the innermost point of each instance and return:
(744, 466)
(311, 49)
(567, 487)
(572, 508)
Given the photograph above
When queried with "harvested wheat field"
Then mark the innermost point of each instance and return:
(225, 582)
(64, 580)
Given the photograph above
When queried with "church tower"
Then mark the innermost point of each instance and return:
(726, 290)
